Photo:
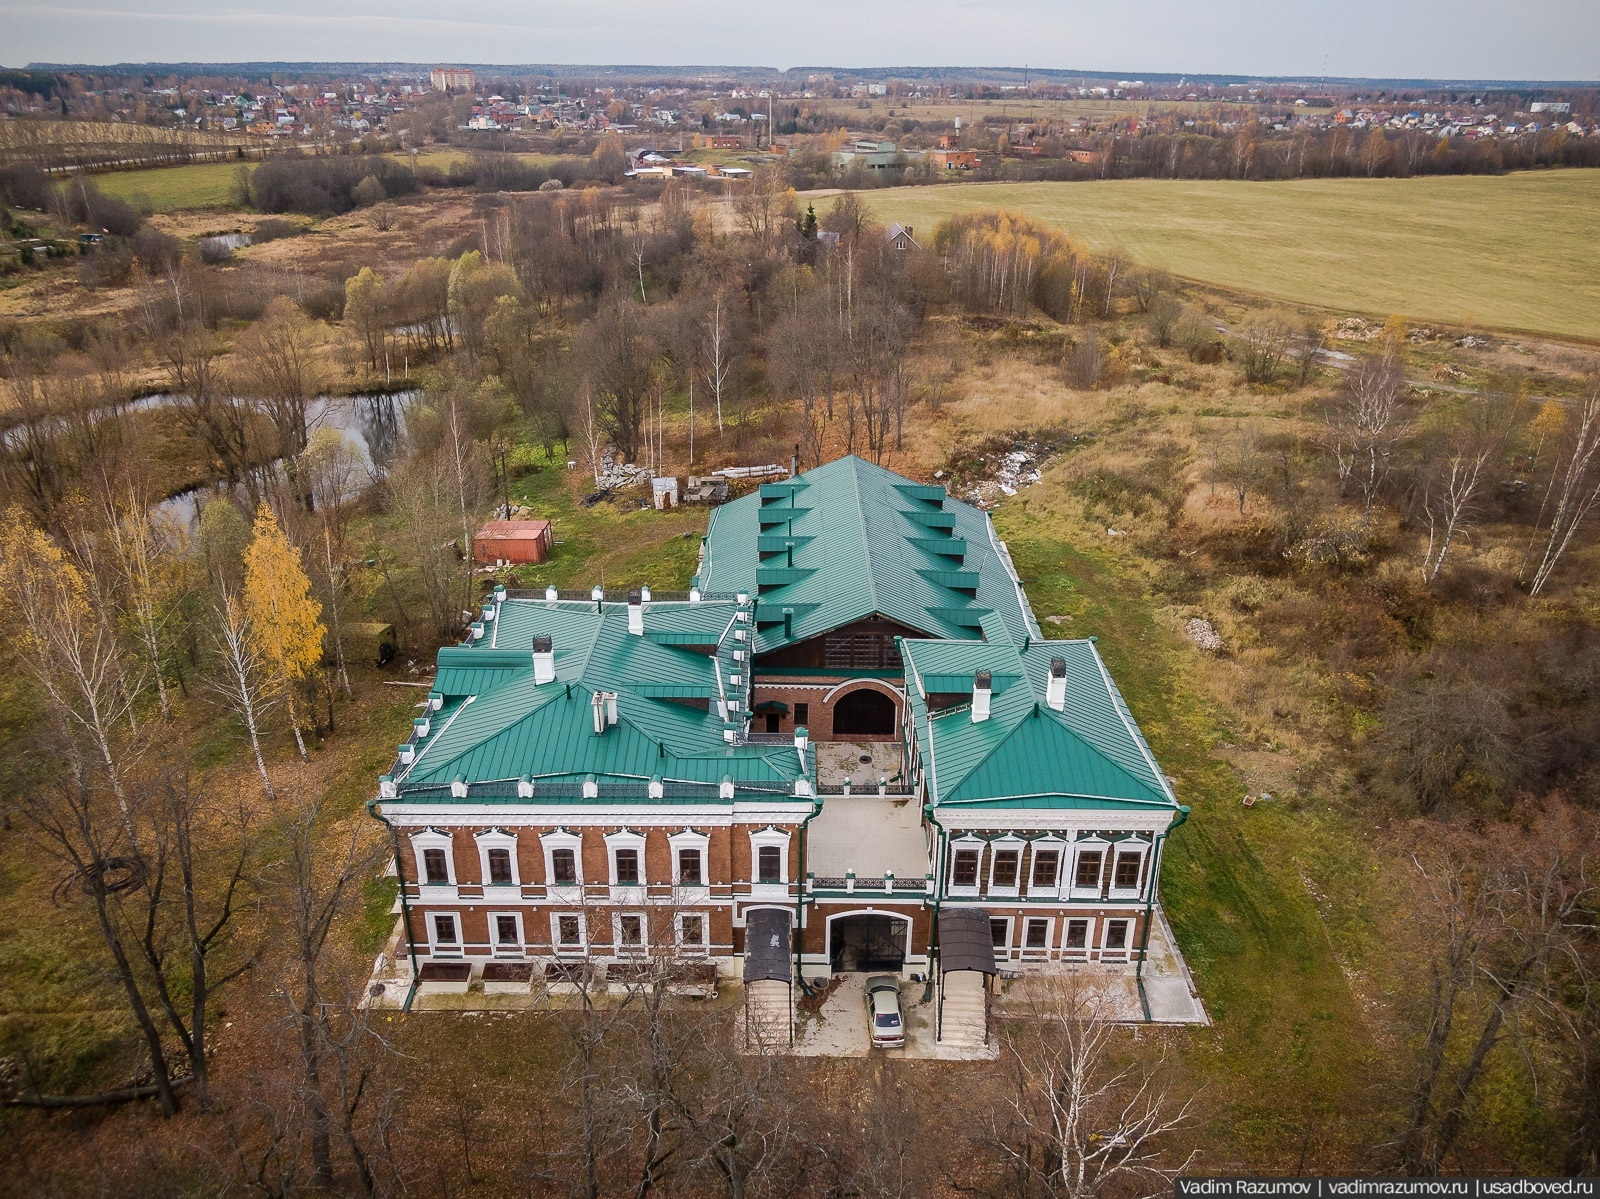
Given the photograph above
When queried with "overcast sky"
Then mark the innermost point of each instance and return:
(1499, 39)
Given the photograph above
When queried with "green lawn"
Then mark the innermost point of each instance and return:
(1516, 252)
(171, 189)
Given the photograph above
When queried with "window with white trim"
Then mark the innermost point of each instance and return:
(497, 857)
(563, 859)
(691, 931)
(966, 857)
(628, 932)
(1117, 936)
(1127, 867)
(1000, 934)
(1036, 936)
(505, 934)
(689, 858)
(567, 933)
(436, 865)
(625, 850)
(444, 934)
(1075, 941)
(769, 858)
(1044, 866)
(1005, 865)
(1088, 866)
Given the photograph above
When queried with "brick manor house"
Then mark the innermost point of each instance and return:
(850, 735)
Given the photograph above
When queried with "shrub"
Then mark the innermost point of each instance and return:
(324, 186)
(272, 229)
(24, 185)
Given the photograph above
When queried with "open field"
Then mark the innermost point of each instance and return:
(172, 189)
(1516, 252)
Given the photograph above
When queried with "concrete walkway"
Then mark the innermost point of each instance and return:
(839, 1028)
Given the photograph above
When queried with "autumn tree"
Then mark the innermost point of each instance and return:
(619, 351)
(366, 313)
(1574, 489)
(284, 618)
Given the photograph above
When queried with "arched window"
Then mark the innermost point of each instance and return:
(864, 713)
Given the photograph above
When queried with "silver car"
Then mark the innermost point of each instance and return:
(883, 1012)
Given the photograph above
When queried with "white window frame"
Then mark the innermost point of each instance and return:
(1009, 951)
(996, 847)
(958, 844)
(519, 950)
(1047, 844)
(1090, 844)
(563, 892)
(451, 951)
(1108, 953)
(560, 950)
(427, 839)
(1081, 952)
(691, 892)
(1037, 952)
(495, 839)
(626, 892)
(763, 839)
(694, 947)
(1127, 845)
(642, 949)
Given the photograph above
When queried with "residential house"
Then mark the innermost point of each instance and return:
(899, 237)
(954, 160)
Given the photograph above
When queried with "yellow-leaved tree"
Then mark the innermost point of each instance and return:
(285, 619)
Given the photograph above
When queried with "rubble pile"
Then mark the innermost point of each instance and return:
(1001, 473)
(1473, 341)
(1204, 635)
(1353, 328)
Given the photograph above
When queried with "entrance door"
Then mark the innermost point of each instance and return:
(772, 722)
(868, 943)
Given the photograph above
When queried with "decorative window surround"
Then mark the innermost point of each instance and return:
(1074, 925)
(969, 845)
(1129, 848)
(563, 892)
(692, 891)
(1110, 952)
(629, 946)
(1004, 949)
(692, 932)
(503, 949)
(570, 948)
(495, 839)
(1001, 845)
(626, 840)
(423, 841)
(1092, 845)
(445, 939)
(1049, 890)
(1030, 929)
(769, 838)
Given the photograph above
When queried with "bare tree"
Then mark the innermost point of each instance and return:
(1452, 485)
(1240, 465)
(717, 350)
(1074, 1118)
(243, 680)
(1574, 486)
(1365, 425)
(1498, 917)
(1264, 341)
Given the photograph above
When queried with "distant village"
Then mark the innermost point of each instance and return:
(855, 124)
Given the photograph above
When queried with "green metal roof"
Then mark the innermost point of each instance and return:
(865, 542)
(496, 724)
(1090, 752)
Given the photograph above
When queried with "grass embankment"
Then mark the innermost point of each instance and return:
(1516, 252)
(1275, 1071)
(173, 189)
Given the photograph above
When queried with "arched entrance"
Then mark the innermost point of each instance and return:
(867, 712)
(868, 941)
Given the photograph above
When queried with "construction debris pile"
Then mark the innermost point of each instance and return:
(1004, 472)
(1204, 635)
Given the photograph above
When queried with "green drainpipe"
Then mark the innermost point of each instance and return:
(1149, 904)
(800, 888)
(938, 889)
(405, 908)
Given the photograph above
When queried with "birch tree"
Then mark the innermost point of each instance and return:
(1574, 489)
(284, 617)
(242, 681)
(1452, 487)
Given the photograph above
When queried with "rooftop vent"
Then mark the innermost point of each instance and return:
(544, 660)
(1056, 693)
(982, 689)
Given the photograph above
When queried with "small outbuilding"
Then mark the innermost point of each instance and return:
(511, 542)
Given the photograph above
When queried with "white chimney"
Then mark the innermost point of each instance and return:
(644, 593)
(611, 708)
(544, 660)
(1056, 694)
(550, 594)
(635, 614)
(694, 595)
(981, 688)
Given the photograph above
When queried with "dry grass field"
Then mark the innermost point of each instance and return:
(1515, 252)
